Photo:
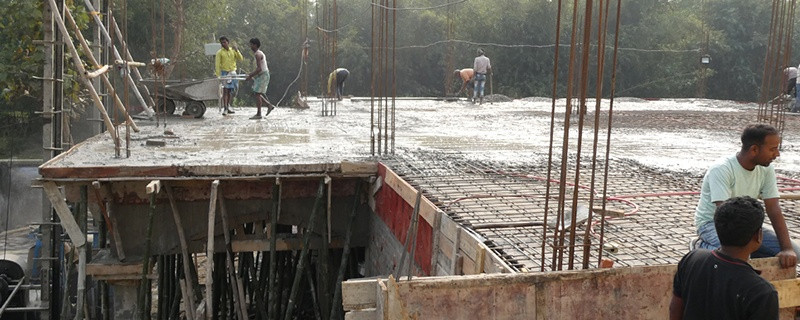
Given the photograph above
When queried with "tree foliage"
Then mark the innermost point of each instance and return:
(660, 43)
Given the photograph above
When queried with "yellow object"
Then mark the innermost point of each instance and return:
(225, 60)
(331, 81)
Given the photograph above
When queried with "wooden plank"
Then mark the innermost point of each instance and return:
(479, 263)
(456, 255)
(448, 227)
(436, 238)
(366, 314)
(67, 219)
(52, 169)
(105, 172)
(788, 292)
(359, 294)
(427, 209)
(468, 265)
(108, 269)
(153, 187)
(212, 207)
(446, 249)
(281, 244)
(359, 167)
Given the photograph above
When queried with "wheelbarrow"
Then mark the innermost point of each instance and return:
(193, 94)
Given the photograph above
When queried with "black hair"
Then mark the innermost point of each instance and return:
(754, 135)
(737, 220)
(223, 38)
(256, 42)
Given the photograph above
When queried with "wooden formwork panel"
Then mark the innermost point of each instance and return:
(620, 293)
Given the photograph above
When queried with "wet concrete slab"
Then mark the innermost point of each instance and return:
(675, 134)
(656, 146)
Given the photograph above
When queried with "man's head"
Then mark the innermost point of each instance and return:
(738, 222)
(480, 51)
(457, 73)
(255, 44)
(224, 42)
(760, 143)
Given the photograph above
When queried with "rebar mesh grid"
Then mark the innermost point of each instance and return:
(504, 203)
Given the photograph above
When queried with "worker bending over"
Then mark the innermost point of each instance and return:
(338, 76)
(466, 76)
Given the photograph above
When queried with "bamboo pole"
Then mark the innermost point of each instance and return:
(76, 60)
(212, 207)
(81, 295)
(337, 293)
(85, 46)
(189, 294)
(304, 253)
(410, 236)
(144, 286)
(273, 237)
(236, 283)
(322, 257)
(117, 56)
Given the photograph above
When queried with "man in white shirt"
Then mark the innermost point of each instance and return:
(482, 67)
(748, 173)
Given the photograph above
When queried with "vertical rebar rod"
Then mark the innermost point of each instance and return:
(558, 251)
(552, 130)
(394, 68)
(372, 83)
(608, 133)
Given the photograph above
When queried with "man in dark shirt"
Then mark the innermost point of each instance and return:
(720, 284)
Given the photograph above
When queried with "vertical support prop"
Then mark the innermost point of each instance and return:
(236, 280)
(336, 307)
(273, 238)
(189, 283)
(212, 207)
(304, 252)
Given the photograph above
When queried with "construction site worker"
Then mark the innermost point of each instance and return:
(720, 284)
(466, 76)
(791, 79)
(225, 65)
(748, 173)
(338, 76)
(260, 78)
(482, 67)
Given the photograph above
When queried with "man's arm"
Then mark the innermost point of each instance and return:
(237, 55)
(786, 256)
(676, 308)
(463, 86)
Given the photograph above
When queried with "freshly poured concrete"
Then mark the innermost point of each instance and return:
(679, 134)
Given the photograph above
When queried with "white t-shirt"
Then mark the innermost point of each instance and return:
(481, 64)
(726, 179)
(790, 72)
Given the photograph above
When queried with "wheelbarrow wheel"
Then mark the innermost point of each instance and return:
(166, 106)
(195, 109)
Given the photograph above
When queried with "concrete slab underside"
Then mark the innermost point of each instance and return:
(657, 146)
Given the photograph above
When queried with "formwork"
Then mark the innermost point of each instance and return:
(481, 209)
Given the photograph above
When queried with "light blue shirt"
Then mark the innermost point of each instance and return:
(726, 179)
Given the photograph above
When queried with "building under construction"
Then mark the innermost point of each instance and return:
(381, 207)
